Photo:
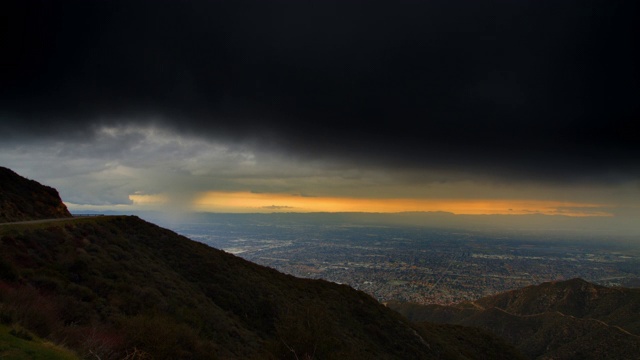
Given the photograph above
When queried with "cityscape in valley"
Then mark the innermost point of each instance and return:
(411, 263)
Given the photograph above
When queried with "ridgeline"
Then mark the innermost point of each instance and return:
(118, 287)
(23, 199)
(571, 319)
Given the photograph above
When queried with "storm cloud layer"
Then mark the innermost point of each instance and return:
(544, 90)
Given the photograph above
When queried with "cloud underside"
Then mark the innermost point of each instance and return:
(463, 106)
(153, 168)
(515, 90)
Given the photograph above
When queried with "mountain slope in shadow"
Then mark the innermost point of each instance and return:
(571, 319)
(114, 287)
(23, 199)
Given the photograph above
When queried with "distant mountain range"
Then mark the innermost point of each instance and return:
(570, 319)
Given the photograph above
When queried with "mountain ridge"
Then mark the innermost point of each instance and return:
(23, 199)
(88, 273)
(561, 320)
(112, 287)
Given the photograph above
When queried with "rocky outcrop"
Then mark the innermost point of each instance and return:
(22, 199)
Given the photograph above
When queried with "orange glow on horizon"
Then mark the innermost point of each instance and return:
(263, 202)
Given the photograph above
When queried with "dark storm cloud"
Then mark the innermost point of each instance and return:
(547, 89)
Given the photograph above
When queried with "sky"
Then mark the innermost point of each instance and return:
(462, 106)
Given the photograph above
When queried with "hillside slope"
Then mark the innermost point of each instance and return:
(17, 344)
(108, 285)
(570, 319)
(116, 287)
(22, 199)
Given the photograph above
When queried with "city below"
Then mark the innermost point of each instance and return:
(415, 264)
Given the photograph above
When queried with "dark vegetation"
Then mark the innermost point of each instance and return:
(114, 285)
(22, 199)
(571, 319)
(17, 343)
(117, 287)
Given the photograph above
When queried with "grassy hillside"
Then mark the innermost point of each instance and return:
(571, 319)
(19, 344)
(23, 199)
(112, 285)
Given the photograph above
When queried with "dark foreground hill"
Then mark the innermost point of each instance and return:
(117, 287)
(570, 319)
(22, 199)
(112, 285)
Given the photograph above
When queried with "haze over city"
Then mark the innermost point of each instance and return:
(465, 107)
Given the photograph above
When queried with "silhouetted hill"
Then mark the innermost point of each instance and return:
(113, 284)
(114, 287)
(23, 199)
(570, 319)
(576, 297)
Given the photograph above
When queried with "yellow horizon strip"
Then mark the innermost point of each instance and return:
(263, 202)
